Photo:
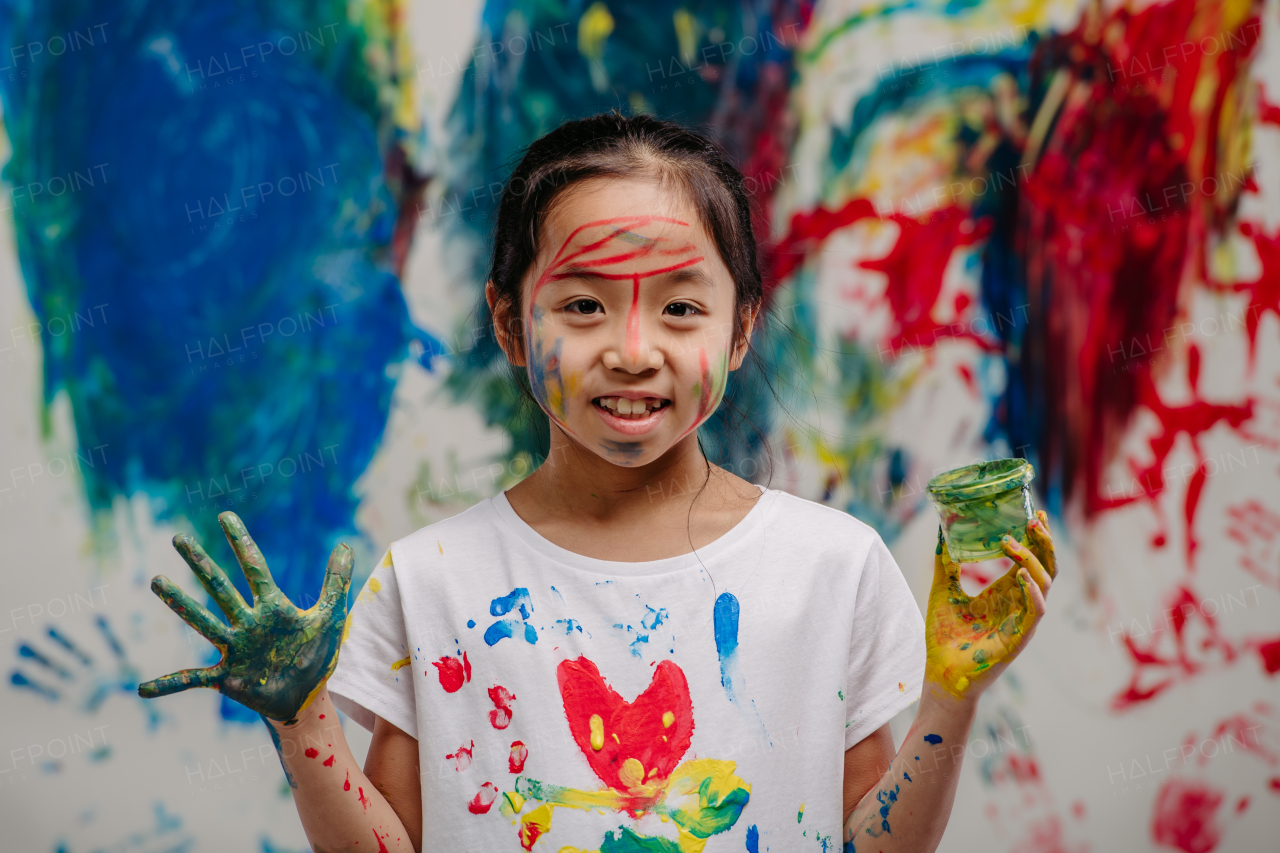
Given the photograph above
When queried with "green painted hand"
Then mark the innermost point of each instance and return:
(275, 657)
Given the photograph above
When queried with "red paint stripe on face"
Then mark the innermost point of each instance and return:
(595, 268)
(633, 321)
(704, 402)
(562, 258)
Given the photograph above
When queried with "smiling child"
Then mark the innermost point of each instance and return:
(600, 659)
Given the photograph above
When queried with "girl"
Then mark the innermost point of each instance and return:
(632, 649)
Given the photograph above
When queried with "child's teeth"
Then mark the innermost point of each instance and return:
(628, 408)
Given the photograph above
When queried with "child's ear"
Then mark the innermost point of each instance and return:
(506, 326)
(748, 320)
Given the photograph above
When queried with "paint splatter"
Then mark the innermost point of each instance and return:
(507, 628)
(1185, 816)
(726, 634)
(382, 848)
(328, 762)
(933, 739)
(519, 755)
(402, 663)
(500, 716)
(753, 839)
(534, 825)
(886, 798)
(364, 801)
(453, 672)
(517, 600)
(346, 783)
(800, 814)
(311, 752)
(462, 758)
(483, 800)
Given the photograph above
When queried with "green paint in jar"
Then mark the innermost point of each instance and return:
(981, 503)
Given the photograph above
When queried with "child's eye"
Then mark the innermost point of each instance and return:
(583, 306)
(682, 309)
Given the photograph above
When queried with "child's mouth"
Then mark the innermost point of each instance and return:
(631, 417)
(628, 409)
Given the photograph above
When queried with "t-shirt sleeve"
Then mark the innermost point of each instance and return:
(887, 649)
(375, 668)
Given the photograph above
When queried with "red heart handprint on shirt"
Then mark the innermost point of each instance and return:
(627, 744)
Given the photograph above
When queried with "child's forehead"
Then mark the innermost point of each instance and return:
(620, 212)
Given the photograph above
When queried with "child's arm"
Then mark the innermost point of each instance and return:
(969, 642)
(276, 660)
(341, 806)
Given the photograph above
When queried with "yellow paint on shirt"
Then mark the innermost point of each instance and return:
(632, 773)
(533, 825)
(400, 664)
(597, 732)
(372, 588)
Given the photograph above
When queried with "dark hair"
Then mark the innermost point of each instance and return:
(613, 145)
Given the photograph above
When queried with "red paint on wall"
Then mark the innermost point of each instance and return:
(915, 268)
(1169, 655)
(1270, 653)
(1186, 816)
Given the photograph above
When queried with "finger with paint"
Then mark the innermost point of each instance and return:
(971, 639)
(275, 657)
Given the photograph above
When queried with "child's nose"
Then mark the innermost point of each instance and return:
(635, 353)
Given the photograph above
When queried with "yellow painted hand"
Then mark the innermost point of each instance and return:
(971, 639)
(275, 657)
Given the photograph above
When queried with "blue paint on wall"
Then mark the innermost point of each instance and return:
(223, 259)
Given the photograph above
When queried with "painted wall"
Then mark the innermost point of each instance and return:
(243, 248)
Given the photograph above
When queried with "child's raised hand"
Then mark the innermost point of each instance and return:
(275, 657)
(970, 640)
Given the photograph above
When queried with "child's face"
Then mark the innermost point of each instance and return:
(628, 320)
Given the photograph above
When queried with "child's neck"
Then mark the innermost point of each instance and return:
(588, 505)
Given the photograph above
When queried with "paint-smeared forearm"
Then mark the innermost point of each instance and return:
(339, 807)
(908, 808)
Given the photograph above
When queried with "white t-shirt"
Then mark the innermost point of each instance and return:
(564, 702)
